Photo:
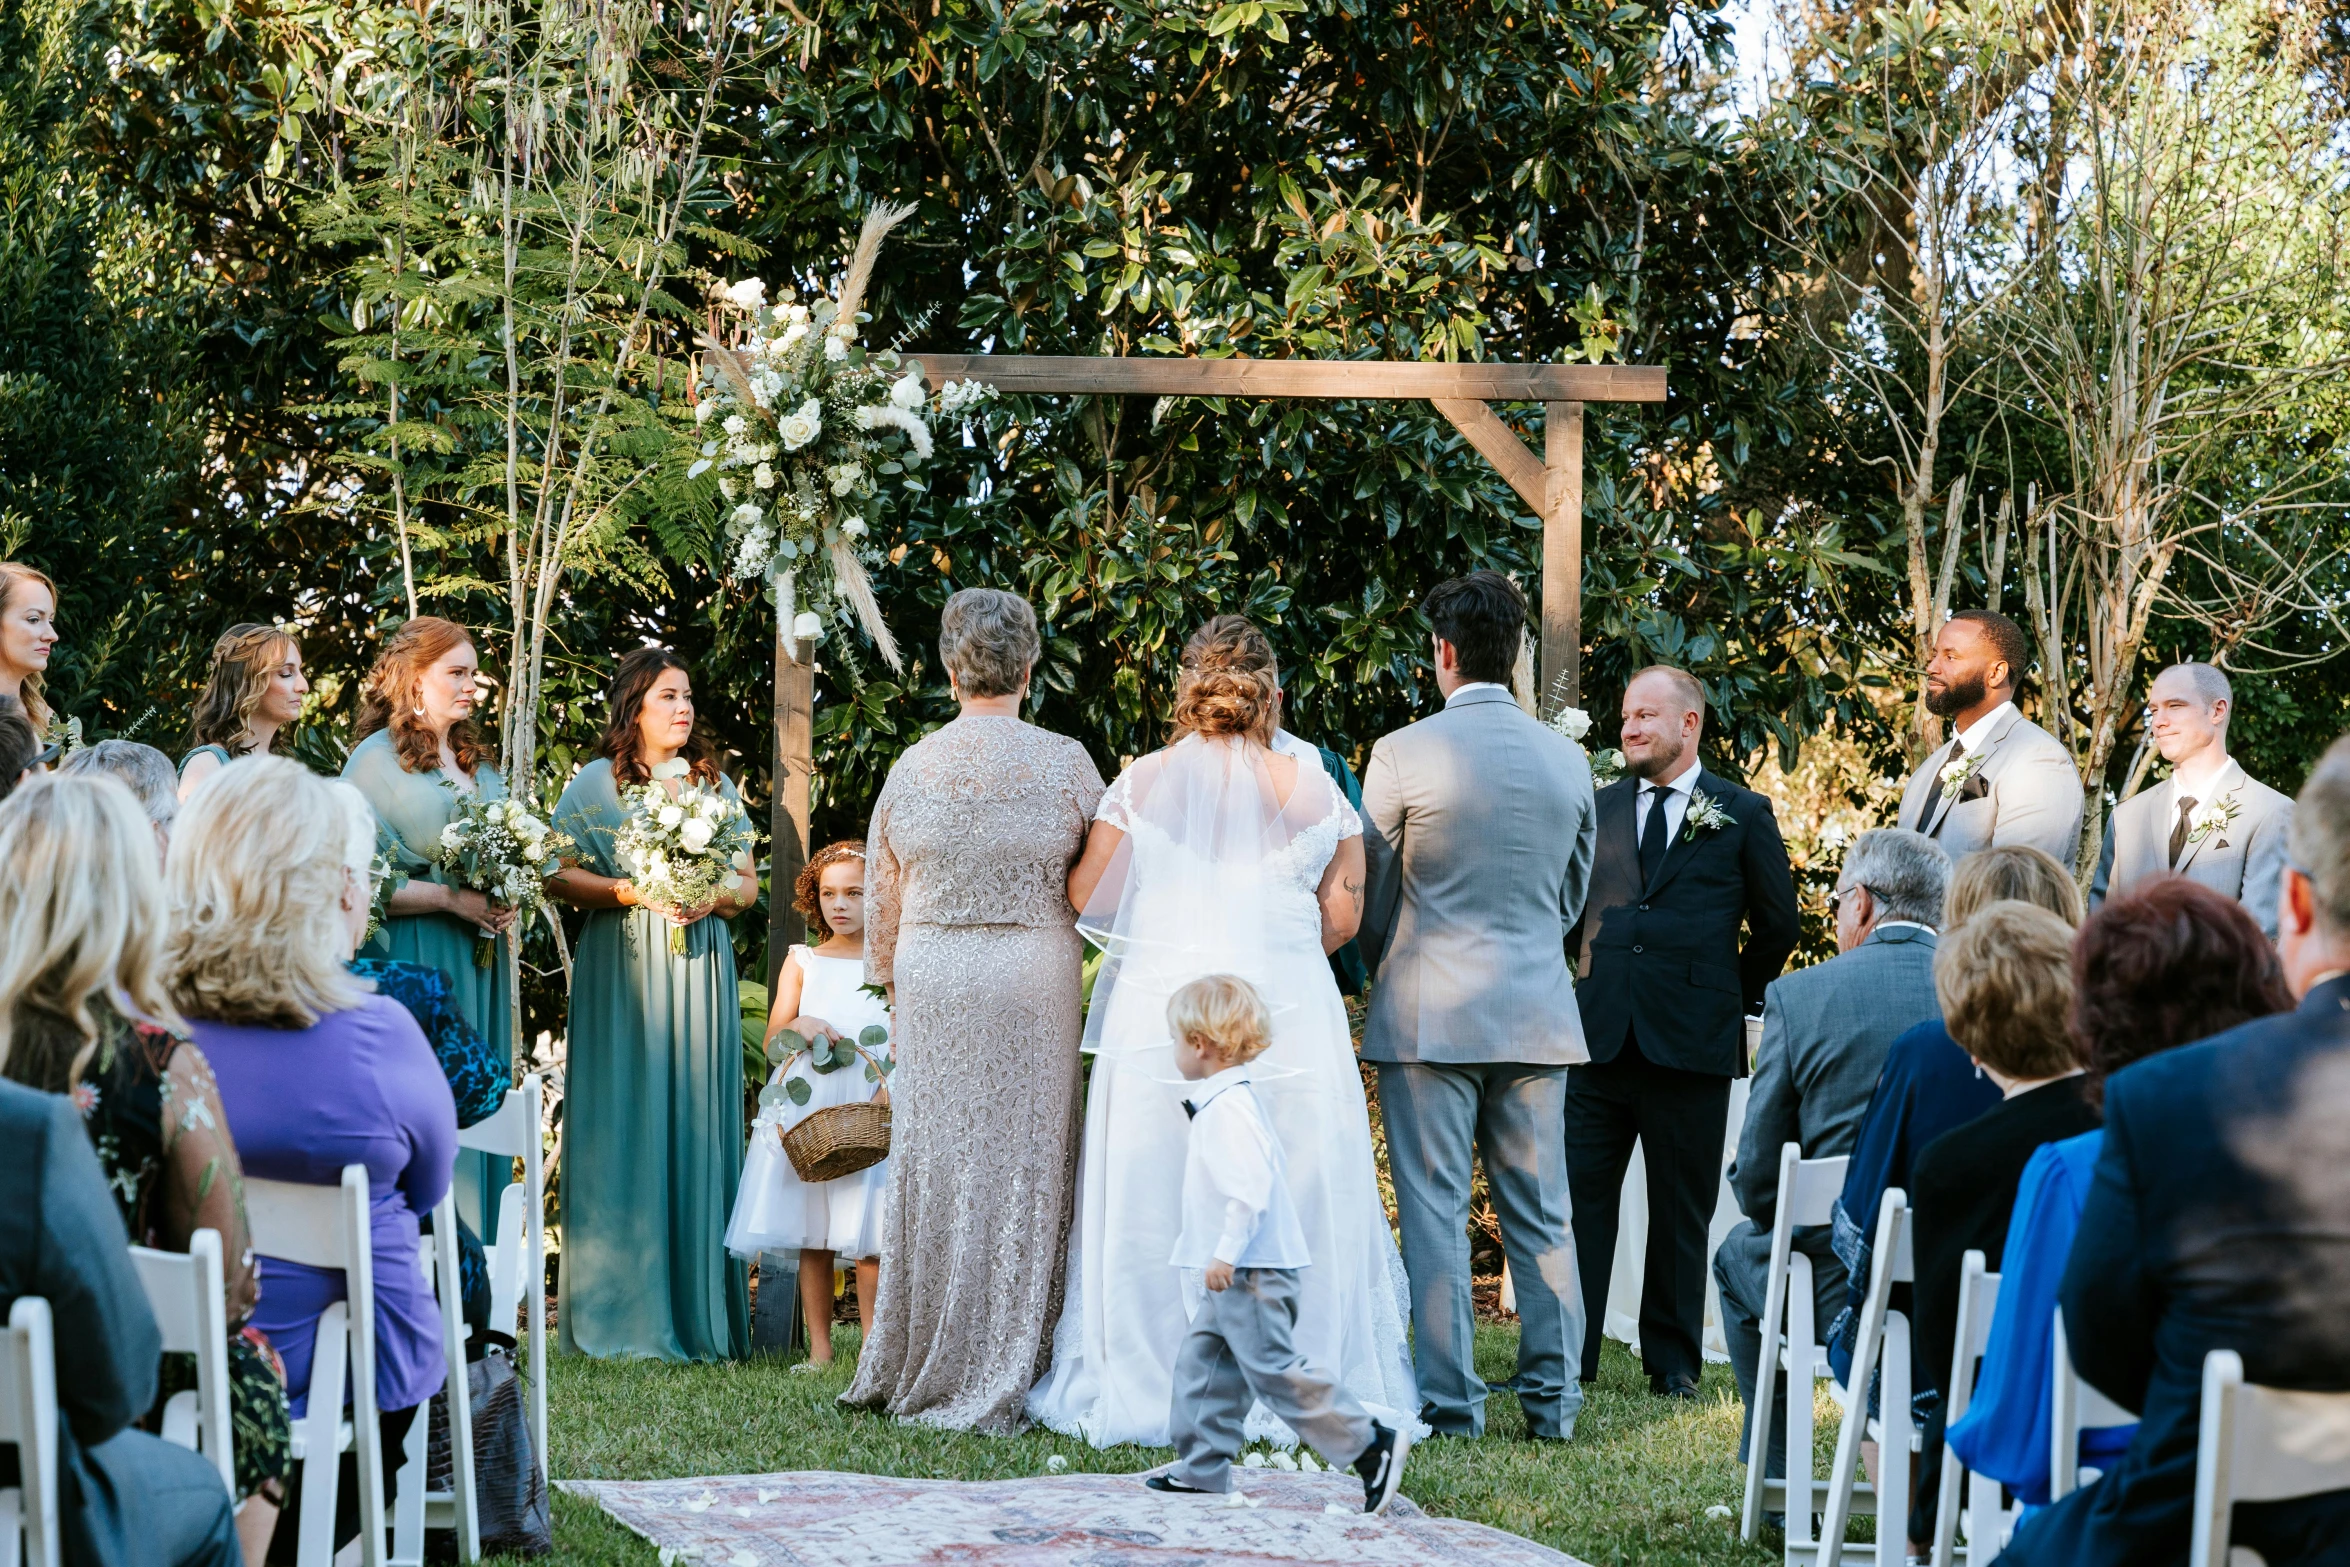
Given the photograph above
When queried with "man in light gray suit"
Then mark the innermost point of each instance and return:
(1826, 1031)
(2209, 821)
(2002, 779)
(1480, 838)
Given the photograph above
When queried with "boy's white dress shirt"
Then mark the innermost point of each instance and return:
(1236, 1205)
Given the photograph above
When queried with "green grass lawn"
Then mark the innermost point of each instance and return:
(1631, 1488)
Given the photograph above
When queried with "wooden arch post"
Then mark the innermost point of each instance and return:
(1551, 485)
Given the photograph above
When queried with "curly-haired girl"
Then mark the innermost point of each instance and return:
(819, 992)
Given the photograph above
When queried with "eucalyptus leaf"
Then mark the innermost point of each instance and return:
(874, 1036)
(776, 1093)
(799, 1090)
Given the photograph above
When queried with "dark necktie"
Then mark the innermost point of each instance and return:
(1934, 790)
(1190, 1111)
(2178, 832)
(1653, 836)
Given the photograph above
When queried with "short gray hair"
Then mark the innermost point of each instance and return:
(2209, 682)
(987, 640)
(2319, 844)
(148, 772)
(1906, 872)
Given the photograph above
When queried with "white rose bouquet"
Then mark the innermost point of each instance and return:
(682, 852)
(503, 850)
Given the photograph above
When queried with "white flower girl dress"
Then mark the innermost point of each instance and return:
(774, 1210)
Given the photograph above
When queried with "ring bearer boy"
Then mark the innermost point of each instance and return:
(2209, 821)
(1241, 1231)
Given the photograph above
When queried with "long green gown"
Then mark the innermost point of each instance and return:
(410, 811)
(653, 1121)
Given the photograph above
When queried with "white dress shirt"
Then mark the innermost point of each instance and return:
(1236, 1204)
(1977, 735)
(1674, 796)
(1476, 685)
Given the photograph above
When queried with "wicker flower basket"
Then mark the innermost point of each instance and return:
(839, 1139)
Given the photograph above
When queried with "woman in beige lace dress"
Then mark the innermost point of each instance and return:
(968, 922)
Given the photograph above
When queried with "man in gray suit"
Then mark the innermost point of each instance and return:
(2209, 820)
(1826, 1031)
(1480, 839)
(2002, 779)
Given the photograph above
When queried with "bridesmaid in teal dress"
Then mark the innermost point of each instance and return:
(252, 697)
(653, 1092)
(418, 752)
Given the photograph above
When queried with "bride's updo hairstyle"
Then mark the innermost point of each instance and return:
(1229, 683)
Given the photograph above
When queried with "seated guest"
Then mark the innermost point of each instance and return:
(268, 880)
(122, 1495)
(1930, 1085)
(2163, 964)
(2218, 1218)
(21, 750)
(81, 965)
(144, 770)
(1825, 1033)
(2005, 979)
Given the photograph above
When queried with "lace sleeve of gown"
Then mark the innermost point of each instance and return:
(884, 891)
(204, 1186)
(1117, 807)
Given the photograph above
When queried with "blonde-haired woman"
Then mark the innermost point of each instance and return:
(28, 631)
(269, 896)
(254, 692)
(82, 933)
(418, 754)
(1220, 855)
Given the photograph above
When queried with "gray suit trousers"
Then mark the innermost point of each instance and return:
(1742, 1267)
(1239, 1353)
(1439, 1118)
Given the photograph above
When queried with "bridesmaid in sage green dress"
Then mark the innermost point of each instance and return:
(253, 694)
(418, 753)
(653, 1089)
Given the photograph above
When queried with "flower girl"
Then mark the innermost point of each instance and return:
(819, 991)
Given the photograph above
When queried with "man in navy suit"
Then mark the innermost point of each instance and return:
(1685, 859)
(2219, 1218)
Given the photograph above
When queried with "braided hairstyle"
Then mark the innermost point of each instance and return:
(1229, 682)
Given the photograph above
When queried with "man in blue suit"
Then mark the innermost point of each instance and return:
(2219, 1218)
(1684, 861)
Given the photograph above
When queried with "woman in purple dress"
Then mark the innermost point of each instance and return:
(269, 892)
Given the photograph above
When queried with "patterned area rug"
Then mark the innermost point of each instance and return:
(819, 1519)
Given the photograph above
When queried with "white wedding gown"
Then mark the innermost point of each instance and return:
(1215, 877)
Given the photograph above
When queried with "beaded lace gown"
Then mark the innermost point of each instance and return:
(967, 913)
(1218, 873)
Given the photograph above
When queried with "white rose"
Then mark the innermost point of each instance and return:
(453, 836)
(795, 311)
(808, 627)
(747, 515)
(672, 815)
(798, 429)
(792, 335)
(763, 476)
(855, 528)
(835, 349)
(845, 477)
(749, 294)
(703, 410)
(1572, 722)
(695, 835)
(907, 391)
(735, 424)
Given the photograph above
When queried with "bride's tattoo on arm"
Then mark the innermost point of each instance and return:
(1354, 890)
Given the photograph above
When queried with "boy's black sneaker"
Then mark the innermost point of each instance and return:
(1381, 1467)
(1170, 1484)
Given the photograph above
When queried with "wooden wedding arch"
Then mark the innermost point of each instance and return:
(1552, 485)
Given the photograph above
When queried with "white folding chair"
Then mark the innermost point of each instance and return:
(1790, 1338)
(1988, 1519)
(415, 1508)
(1883, 1347)
(189, 1296)
(2260, 1444)
(327, 1227)
(517, 1255)
(2074, 1407)
(28, 1418)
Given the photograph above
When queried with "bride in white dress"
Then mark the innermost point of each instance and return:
(1229, 852)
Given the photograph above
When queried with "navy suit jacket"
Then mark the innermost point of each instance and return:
(2218, 1218)
(1665, 957)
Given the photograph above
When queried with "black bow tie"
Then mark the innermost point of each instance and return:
(1190, 1111)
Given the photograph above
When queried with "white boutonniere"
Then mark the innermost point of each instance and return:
(1956, 772)
(1705, 815)
(2211, 818)
(1572, 722)
(1606, 768)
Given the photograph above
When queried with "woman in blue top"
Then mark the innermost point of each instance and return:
(2162, 965)
(251, 698)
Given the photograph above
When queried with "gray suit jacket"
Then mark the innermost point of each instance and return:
(1479, 833)
(2025, 790)
(1826, 1031)
(2243, 860)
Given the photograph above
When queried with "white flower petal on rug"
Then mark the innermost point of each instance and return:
(768, 1496)
(742, 1559)
(742, 1512)
(1336, 1507)
(701, 1503)
(1055, 1464)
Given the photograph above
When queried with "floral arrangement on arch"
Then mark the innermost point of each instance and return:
(811, 430)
